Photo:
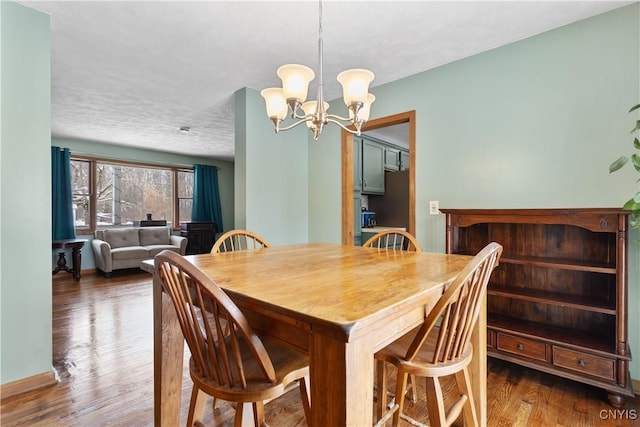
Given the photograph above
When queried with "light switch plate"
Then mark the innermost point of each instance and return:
(434, 207)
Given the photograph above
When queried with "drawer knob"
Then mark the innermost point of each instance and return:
(582, 363)
(520, 346)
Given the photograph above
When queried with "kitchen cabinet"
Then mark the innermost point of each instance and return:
(372, 167)
(404, 160)
(391, 159)
(558, 300)
(366, 235)
(371, 159)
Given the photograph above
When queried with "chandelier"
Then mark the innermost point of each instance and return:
(293, 93)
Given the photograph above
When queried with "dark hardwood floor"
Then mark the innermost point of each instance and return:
(103, 353)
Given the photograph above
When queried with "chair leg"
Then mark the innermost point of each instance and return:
(464, 387)
(305, 394)
(258, 414)
(435, 403)
(196, 406)
(401, 386)
(237, 421)
(414, 389)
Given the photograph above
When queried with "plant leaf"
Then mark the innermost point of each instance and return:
(618, 164)
(635, 107)
(636, 198)
(635, 159)
(637, 126)
(631, 205)
(636, 143)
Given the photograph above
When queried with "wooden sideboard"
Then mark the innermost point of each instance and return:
(558, 300)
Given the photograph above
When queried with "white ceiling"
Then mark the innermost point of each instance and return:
(133, 73)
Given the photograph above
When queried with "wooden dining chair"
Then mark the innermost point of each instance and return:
(441, 346)
(238, 240)
(237, 367)
(395, 239)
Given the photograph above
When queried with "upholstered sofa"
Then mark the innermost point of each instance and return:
(119, 248)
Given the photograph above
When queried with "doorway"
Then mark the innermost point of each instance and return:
(348, 204)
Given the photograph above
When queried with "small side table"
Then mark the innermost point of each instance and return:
(76, 257)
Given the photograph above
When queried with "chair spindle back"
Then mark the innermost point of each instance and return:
(201, 306)
(393, 239)
(458, 309)
(239, 240)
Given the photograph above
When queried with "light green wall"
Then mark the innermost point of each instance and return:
(240, 181)
(25, 196)
(272, 193)
(325, 181)
(532, 124)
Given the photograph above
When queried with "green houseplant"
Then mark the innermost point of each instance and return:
(633, 204)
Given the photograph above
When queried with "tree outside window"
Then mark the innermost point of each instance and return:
(81, 192)
(113, 194)
(185, 194)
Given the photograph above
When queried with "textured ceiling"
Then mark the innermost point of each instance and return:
(133, 73)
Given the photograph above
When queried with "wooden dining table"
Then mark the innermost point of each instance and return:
(338, 303)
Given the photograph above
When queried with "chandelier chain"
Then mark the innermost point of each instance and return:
(320, 18)
(320, 94)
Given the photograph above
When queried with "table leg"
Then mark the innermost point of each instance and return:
(168, 352)
(76, 262)
(341, 381)
(478, 367)
(61, 264)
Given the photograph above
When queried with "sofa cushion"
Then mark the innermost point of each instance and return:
(121, 237)
(154, 236)
(129, 252)
(156, 249)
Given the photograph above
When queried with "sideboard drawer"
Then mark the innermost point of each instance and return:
(584, 363)
(522, 346)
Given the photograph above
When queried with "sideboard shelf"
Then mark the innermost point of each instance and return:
(558, 300)
(555, 298)
(564, 264)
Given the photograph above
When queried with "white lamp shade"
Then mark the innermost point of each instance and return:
(276, 102)
(295, 80)
(310, 108)
(355, 85)
(365, 110)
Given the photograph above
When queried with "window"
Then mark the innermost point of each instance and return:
(114, 193)
(185, 193)
(81, 192)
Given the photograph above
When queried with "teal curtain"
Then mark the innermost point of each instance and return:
(206, 195)
(61, 198)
